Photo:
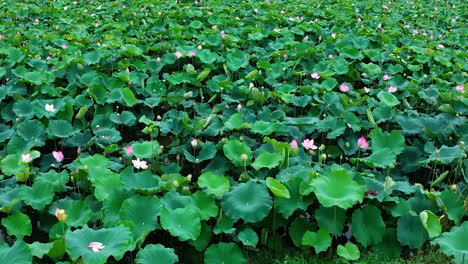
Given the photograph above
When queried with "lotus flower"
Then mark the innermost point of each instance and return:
(460, 88)
(309, 144)
(384, 6)
(60, 214)
(386, 77)
(64, 46)
(178, 54)
(315, 75)
(333, 35)
(96, 246)
(344, 87)
(194, 143)
(293, 144)
(306, 38)
(58, 155)
(50, 108)
(192, 54)
(391, 89)
(239, 107)
(331, 56)
(26, 157)
(362, 143)
(129, 150)
(440, 46)
(140, 164)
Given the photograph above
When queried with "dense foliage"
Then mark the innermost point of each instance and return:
(135, 131)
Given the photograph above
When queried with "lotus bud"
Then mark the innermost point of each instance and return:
(244, 157)
(158, 117)
(186, 189)
(437, 153)
(241, 138)
(189, 177)
(323, 156)
(188, 95)
(391, 166)
(322, 147)
(347, 144)
(60, 214)
(175, 184)
(453, 187)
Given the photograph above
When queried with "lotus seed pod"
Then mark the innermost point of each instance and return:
(189, 177)
(244, 157)
(453, 187)
(323, 156)
(175, 183)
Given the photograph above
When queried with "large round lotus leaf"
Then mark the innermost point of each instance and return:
(115, 240)
(367, 225)
(204, 239)
(452, 204)
(57, 180)
(249, 201)
(453, 243)
(349, 251)
(411, 232)
(206, 205)
(227, 253)
(331, 218)
(431, 223)
(207, 152)
(277, 188)
(267, 160)
(111, 206)
(297, 229)
(215, 184)
(5, 132)
(105, 183)
(143, 212)
(40, 249)
(144, 182)
(320, 240)
(287, 206)
(17, 254)
(23, 109)
(248, 237)
(32, 130)
(156, 253)
(385, 148)
(225, 225)
(17, 224)
(126, 118)
(234, 150)
(78, 212)
(11, 164)
(38, 195)
(389, 247)
(60, 128)
(146, 149)
(183, 223)
(337, 188)
(58, 249)
(173, 200)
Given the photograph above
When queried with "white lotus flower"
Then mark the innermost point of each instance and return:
(50, 108)
(96, 246)
(140, 164)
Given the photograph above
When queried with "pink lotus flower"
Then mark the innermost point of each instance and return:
(309, 144)
(36, 20)
(2, 37)
(129, 150)
(453, 20)
(50, 108)
(285, 55)
(431, 37)
(460, 88)
(291, 19)
(26, 158)
(359, 19)
(96, 246)
(293, 144)
(362, 143)
(140, 164)
(344, 87)
(384, 6)
(331, 56)
(315, 75)
(64, 46)
(391, 89)
(386, 77)
(58, 155)
(407, 26)
(440, 46)
(239, 107)
(194, 142)
(192, 54)
(256, 10)
(178, 54)
(282, 12)
(415, 31)
(306, 38)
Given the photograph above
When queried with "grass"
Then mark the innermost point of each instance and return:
(295, 256)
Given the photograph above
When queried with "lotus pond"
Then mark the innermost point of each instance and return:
(150, 131)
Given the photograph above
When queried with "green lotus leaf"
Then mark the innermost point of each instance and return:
(452, 205)
(5, 132)
(11, 164)
(15, 55)
(349, 251)
(206, 205)
(23, 109)
(337, 188)
(173, 200)
(204, 239)
(129, 97)
(115, 240)
(453, 243)
(40, 249)
(18, 225)
(32, 130)
(142, 212)
(144, 182)
(57, 180)
(287, 206)
(104, 182)
(389, 247)
(331, 218)
(92, 57)
(183, 223)
(8, 197)
(207, 152)
(277, 188)
(224, 225)
(206, 56)
(38, 195)
(235, 122)
(371, 68)
(297, 229)
(320, 240)
(60, 128)
(236, 60)
(111, 206)
(388, 98)
(127, 118)
(227, 253)
(17, 254)
(248, 237)
(385, 147)
(78, 212)
(249, 201)
(340, 66)
(130, 50)
(431, 223)
(234, 150)
(444, 155)
(107, 136)
(58, 249)
(411, 231)
(151, 253)
(215, 184)
(367, 225)
(267, 160)
(145, 149)
(262, 128)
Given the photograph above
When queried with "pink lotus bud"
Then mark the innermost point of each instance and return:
(386, 77)
(460, 88)
(178, 54)
(239, 107)
(194, 142)
(192, 54)
(64, 46)
(344, 87)
(391, 89)
(58, 155)
(362, 143)
(293, 144)
(129, 150)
